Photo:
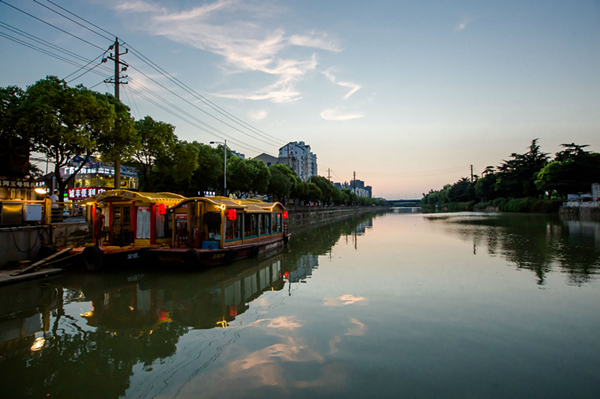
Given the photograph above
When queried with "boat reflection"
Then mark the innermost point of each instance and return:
(142, 302)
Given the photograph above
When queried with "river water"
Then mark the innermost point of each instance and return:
(391, 305)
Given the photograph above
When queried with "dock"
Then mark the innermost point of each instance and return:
(6, 276)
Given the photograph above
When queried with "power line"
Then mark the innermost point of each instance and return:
(179, 109)
(86, 21)
(73, 73)
(89, 70)
(200, 109)
(75, 22)
(54, 26)
(134, 103)
(185, 119)
(209, 103)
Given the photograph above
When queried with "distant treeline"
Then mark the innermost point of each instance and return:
(529, 182)
(61, 122)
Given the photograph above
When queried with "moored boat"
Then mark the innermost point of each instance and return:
(170, 229)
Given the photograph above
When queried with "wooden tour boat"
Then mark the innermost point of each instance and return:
(172, 229)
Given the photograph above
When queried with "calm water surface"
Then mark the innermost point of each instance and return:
(395, 305)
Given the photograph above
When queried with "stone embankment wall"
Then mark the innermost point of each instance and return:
(586, 210)
(23, 243)
(301, 216)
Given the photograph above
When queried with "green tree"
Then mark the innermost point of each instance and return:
(121, 141)
(573, 170)
(157, 140)
(327, 189)
(209, 173)
(175, 168)
(279, 184)
(516, 176)
(62, 121)
(247, 176)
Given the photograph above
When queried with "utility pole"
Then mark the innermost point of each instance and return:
(329, 174)
(471, 173)
(117, 81)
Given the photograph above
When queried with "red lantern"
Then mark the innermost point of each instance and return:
(231, 214)
(162, 209)
(286, 275)
(285, 214)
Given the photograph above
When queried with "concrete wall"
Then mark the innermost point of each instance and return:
(300, 216)
(22, 243)
(72, 234)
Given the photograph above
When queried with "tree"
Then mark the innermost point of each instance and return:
(279, 184)
(175, 168)
(247, 176)
(325, 186)
(62, 121)
(157, 139)
(121, 141)
(14, 145)
(209, 172)
(516, 176)
(573, 170)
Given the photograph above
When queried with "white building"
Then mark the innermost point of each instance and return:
(299, 158)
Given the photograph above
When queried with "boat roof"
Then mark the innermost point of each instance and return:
(249, 204)
(154, 198)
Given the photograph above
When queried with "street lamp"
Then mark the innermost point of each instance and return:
(224, 166)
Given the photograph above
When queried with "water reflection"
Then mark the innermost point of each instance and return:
(538, 243)
(337, 313)
(130, 319)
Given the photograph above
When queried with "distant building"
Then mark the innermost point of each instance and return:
(357, 187)
(268, 159)
(237, 154)
(298, 156)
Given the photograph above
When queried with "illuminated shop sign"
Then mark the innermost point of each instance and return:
(85, 192)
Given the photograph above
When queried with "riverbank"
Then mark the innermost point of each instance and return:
(519, 205)
(302, 216)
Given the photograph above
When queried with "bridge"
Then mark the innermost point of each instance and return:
(406, 203)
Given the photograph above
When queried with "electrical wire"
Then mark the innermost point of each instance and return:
(200, 109)
(75, 22)
(191, 91)
(173, 113)
(49, 24)
(73, 73)
(89, 70)
(166, 74)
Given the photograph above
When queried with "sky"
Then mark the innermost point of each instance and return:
(406, 94)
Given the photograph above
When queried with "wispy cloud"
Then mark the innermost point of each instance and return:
(353, 86)
(279, 323)
(347, 299)
(336, 115)
(258, 115)
(245, 44)
(463, 25)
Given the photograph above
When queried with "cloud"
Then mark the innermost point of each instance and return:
(344, 300)
(280, 323)
(335, 115)
(353, 86)
(258, 115)
(461, 26)
(246, 44)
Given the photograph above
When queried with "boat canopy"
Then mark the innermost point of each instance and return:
(168, 199)
(250, 205)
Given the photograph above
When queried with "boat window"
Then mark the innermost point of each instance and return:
(265, 224)
(233, 229)
(164, 228)
(213, 224)
(276, 223)
(143, 222)
(250, 225)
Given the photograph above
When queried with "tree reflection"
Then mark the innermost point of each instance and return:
(133, 319)
(538, 243)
